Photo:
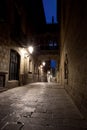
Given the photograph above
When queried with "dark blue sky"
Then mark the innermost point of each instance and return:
(50, 9)
(53, 64)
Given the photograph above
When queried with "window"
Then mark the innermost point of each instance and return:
(53, 45)
(14, 65)
(66, 67)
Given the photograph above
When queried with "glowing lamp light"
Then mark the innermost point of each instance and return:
(31, 49)
(48, 72)
(43, 63)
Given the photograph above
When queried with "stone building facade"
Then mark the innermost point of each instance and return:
(24, 73)
(73, 56)
(14, 58)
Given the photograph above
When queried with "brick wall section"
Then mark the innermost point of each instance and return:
(74, 44)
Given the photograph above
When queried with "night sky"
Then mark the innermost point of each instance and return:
(50, 9)
(53, 64)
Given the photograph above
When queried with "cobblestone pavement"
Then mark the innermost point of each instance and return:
(39, 106)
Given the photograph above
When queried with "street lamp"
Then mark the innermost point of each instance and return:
(43, 63)
(31, 49)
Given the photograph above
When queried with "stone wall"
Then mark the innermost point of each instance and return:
(5, 46)
(74, 46)
(4, 62)
(24, 77)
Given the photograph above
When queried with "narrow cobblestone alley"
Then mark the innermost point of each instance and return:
(39, 106)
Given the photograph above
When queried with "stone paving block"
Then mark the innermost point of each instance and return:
(64, 128)
(9, 118)
(41, 115)
(11, 126)
(78, 123)
(34, 127)
(39, 107)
